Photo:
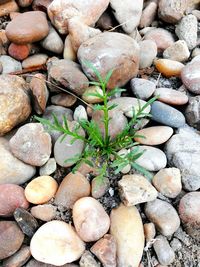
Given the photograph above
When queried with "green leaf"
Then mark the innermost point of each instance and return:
(108, 76)
(112, 106)
(142, 170)
(115, 91)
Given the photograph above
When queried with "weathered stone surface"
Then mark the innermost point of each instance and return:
(48, 168)
(45, 212)
(190, 76)
(19, 258)
(7, 7)
(99, 186)
(87, 260)
(62, 99)
(170, 96)
(192, 112)
(41, 5)
(177, 51)
(142, 88)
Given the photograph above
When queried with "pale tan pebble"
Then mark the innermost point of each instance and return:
(45, 212)
(177, 51)
(68, 52)
(7, 7)
(168, 67)
(170, 96)
(34, 61)
(149, 231)
(91, 98)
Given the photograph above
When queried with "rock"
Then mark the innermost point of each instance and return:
(190, 76)
(178, 51)
(155, 135)
(169, 67)
(105, 249)
(19, 52)
(69, 52)
(168, 182)
(105, 22)
(45, 212)
(192, 112)
(149, 231)
(73, 187)
(89, 98)
(161, 37)
(31, 144)
(189, 208)
(163, 215)
(56, 243)
(41, 5)
(34, 61)
(41, 189)
(141, 88)
(148, 52)
(8, 7)
(52, 42)
(11, 238)
(62, 99)
(176, 245)
(90, 219)
(126, 227)
(148, 13)
(62, 12)
(123, 57)
(187, 30)
(152, 159)
(11, 197)
(26, 221)
(19, 173)
(183, 153)
(9, 64)
(34, 263)
(19, 258)
(170, 96)
(99, 186)
(80, 113)
(28, 27)
(24, 3)
(68, 74)
(48, 168)
(135, 189)
(87, 260)
(163, 250)
(195, 52)
(127, 13)
(167, 115)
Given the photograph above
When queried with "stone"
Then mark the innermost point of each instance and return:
(90, 219)
(192, 112)
(52, 42)
(121, 55)
(19, 258)
(8, 7)
(26, 221)
(34, 263)
(155, 135)
(48, 168)
(11, 197)
(148, 52)
(25, 3)
(183, 153)
(148, 13)
(171, 96)
(190, 76)
(56, 243)
(141, 88)
(135, 189)
(127, 229)
(127, 13)
(178, 51)
(31, 144)
(149, 231)
(92, 99)
(80, 113)
(11, 238)
(68, 74)
(105, 249)
(195, 52)
(73, 187)
(9, 64)
(28, 27)
(168, 182)
(19, 52)
(152, 159)
(161, 37)
(169, 67)
(87, 260)
(99, 186)
(189, 208)
(41, 5)
(34, 61)
(45, 212)
(105, 22)
(41, 189)
(163, 250)
(68, 52)
(176, 245)
(163, 215)
(167, 115)
(64, 100)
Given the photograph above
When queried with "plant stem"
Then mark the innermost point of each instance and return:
(106, 116)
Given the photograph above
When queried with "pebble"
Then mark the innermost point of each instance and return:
(149, 231)
(25, 3)
(8, 7)
(176, 245)
(45, 212)
(11, 238)
(19, 173)
(105, 22)
(31, 144)
(41, 5)
(34, 263)
(64, 100)
(9, 64)
(48, 168)
(141, 88)
(19, 52)
(163, 215)
(187, 30)
(168, 182)
(56, 243)
(189, 210)
(80, 113)
(87, 260)
(26, 221)
(152, 159)
(123, 57)
(192, 112)
(34, 61)
(90, 219)
(19, 258)
(11, 197)
(28, 27)
(68, 52)
(195, 52)
(127, 229)
(148, 52)
(73, 187)
(169, 67)
(105, 249)
(178, 51)
(91, 99)
(171, 96)
(163, 250)
(41, 189)
(135, 189)
(99, 186)
(190, 76)
(167, 115)
(155, 135)
(148, 13)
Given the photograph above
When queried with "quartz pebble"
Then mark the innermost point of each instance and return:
(177, 51)
(45, 212)
(19, 258)
(148, 52)
(48, 168)
(170, 96)
(142, 88)
(169, 67)
(80, 113)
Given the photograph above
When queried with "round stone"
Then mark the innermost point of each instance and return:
(169, 67)
(9, 64)
(148, 52)
(170, 96)
(190, 76)
(142, 88)
(19, 52)
(19, 258)
(46, 212)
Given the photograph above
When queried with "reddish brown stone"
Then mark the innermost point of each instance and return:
(19, 52)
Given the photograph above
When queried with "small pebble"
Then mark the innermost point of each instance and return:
(169, 67)
(45, 212)
(80, 113)
(148, 52)
(48, 168)
(64, 100)
(34, 61)
(91, 98)
(190, 76)
(19, 52)
(9, 64)
(141, 88)
(170, 96)
(99, 186)
(149, 231)
(87, 260)
(19, 258)
(177, 51)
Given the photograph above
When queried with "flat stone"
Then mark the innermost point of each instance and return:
(171, 96)
(34, 263)
(64, 100)
(148, 52)
(34, 61)
(9, 64)
(48, 168)
(177, 51)
(141, 88)
(192, 112)
(19, 258)
(45, 212)
(190, 76)
(169, 67)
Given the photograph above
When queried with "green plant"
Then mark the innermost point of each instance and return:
(100, 148)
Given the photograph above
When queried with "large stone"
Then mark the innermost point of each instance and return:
(14, 102)
(110, 50)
